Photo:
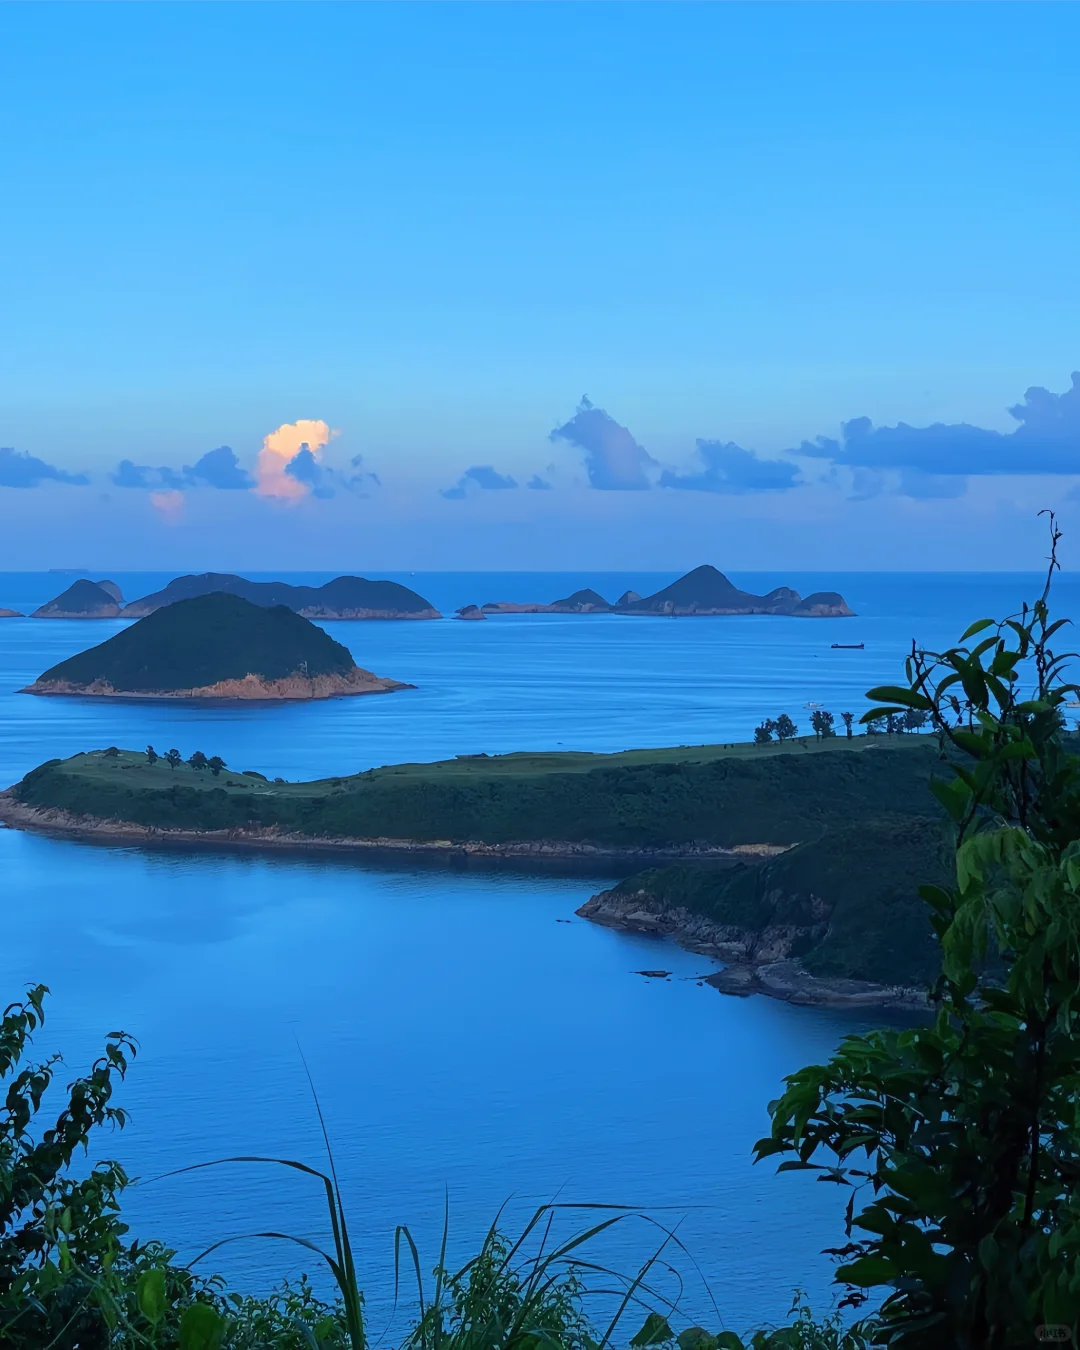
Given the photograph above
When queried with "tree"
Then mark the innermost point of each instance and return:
(198, 761)
(785, 728)
(847, 719)
(961, 1137)
(914, 719)
(763, 733)
(822, 723)
(151, 755)
(173, 758)
(215, 764)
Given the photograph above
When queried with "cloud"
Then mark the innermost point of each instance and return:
(538, 484)
(482, 476)
(731, 469)
(282, 448)
(306, 469)
(362, 477)
(170, 503)
(131, 475)
(1047, 441)
(219, 469)
(22, 470)
(613, 459)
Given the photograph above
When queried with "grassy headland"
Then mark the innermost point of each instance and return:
(717, 797)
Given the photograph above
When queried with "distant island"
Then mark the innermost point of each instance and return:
(342, 598)
(84, 600)
(214, 647)
(700, 593)
(11, 614)
(797, 864)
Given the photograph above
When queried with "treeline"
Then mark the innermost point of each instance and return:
(823, 725)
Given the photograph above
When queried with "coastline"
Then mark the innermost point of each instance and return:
(250, 689)
(53, 820)
(755, 963)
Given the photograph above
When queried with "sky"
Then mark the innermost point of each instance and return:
(536, 286)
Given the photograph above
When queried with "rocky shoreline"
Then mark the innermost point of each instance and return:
(251, 688)
(53, 820)
(755, 962)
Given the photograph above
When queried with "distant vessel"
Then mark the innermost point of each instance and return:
(848, 646)
(812, 704)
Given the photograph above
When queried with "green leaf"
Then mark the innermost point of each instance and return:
(697, 1338)
(868, 1270)
(201, 1328)
(977, 627)
(988, 1252)
(727, 1340)
(895, 693)
(150, 1294)
(655, 1331)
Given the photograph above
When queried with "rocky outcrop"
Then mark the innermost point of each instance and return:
(83, 600)
(11, 614)
(627, 598)
(705, 591)
(470, 612)
(581, 602)
(250, 688)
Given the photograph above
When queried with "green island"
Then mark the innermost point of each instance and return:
(215, 646)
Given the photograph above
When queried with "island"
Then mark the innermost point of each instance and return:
(705, 591)
(702, 592)
(11, 614)
(470, 613)
(342, 598)
(798, 864)
(84, 599)
(214, 647)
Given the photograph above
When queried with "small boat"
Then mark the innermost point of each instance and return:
(848, 646)
(812, 704)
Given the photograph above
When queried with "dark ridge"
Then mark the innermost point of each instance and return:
(344, 597)
(83, 599)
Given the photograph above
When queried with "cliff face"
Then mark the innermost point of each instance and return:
(250, 688)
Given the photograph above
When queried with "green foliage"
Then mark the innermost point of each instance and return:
(198, 761)
(195, 643)
(763, 733)
(151, 755)
(822, 723)
(215, 764)
(847, 718)
(173, 758)
(961, 1139)
(785, 728)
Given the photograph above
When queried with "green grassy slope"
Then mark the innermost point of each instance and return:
(199, 642)
(716, 795)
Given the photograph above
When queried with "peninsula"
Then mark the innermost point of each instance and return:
(342, 598)
(84, 599)
(798, 863)
(702, 592)
(214, 647)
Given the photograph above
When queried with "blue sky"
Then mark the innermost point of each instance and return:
(410, 238)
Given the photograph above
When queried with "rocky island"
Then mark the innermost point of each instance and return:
(342, 598)
(84, 599)
(11, 614)
(704, 591)
(215, 647)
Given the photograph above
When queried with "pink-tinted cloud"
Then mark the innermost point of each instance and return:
(280, 449)
(169, 503)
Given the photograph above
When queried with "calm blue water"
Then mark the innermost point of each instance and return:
(461, 1039)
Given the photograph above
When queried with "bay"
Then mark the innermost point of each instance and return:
(467, 1044)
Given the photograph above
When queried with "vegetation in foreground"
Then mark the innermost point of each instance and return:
(957, 1141)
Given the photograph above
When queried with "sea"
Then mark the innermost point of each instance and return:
(474, 1048)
